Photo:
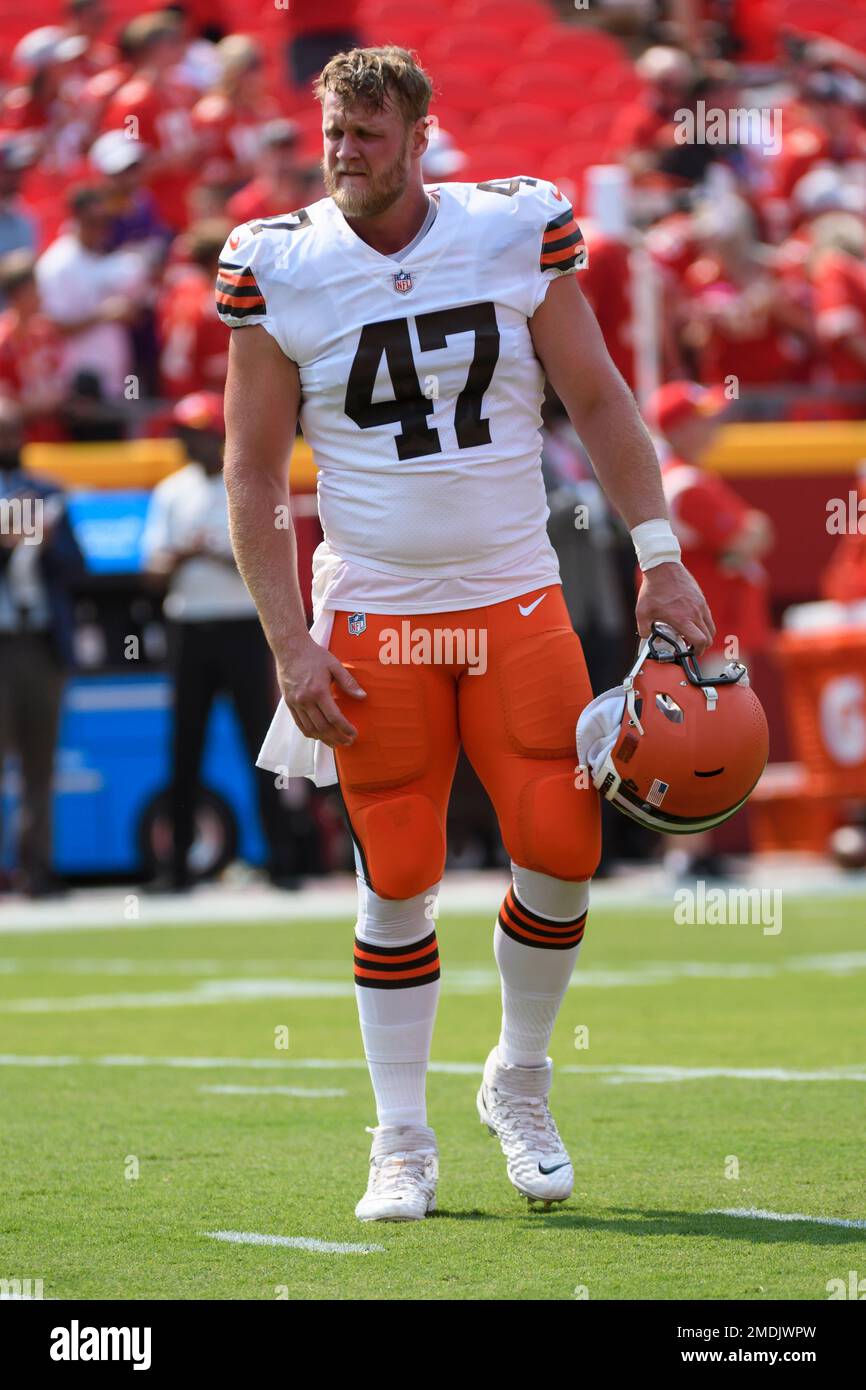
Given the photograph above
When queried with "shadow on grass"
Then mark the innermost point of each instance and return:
(636, 1221)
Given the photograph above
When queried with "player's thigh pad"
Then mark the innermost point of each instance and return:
(549, 823)
(392, 780)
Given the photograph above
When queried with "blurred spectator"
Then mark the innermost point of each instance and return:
(279, 184)
(92, 294)
(318, 32)
(44, 104)
(216, 640)
(822, 126)
(195, 340)
(17, 223)
(135, 218)
(722, 541)
(644, 126)
(155, 106)
(230, 118)
(39, 561)
(837, 268)
(743, 319)
(844, 579)
(86, 21)
(31, 350)
(722, 538)
(607, 283)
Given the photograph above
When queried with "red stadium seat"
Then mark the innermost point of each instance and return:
(570, 161)
(473, 48)
(523, 124)
(517, 19)
(500, 162)
(586, 47)
(558, 87)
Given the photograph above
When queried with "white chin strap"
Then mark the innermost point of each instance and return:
(599, 725)
(597, 731)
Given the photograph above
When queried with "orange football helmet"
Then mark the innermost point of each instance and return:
(675, 750)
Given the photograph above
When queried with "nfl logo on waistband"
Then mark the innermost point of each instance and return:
(403, 281)
(357, 623)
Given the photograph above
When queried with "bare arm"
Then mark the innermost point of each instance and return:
(569, 344)
(261, 409)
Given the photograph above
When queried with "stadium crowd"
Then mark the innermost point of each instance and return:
(131, 143)
(130, 146)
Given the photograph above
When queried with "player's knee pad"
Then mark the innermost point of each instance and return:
(559, 827)
(403, 844)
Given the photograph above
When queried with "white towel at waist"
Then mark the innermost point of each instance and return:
(285, 749)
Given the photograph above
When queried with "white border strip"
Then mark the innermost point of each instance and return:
(322, 1247)
(756, 1214)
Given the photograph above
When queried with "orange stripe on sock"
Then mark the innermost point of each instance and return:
(397, 974)
(409, 955)
(513, 910)
(538, 938)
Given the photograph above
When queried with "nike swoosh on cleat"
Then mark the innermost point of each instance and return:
(554, 1169)
(525, 612)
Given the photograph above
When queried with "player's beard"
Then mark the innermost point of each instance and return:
(375, 194)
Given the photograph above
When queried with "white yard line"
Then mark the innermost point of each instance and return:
(755, 1214)
(322, 1247)
(613, 1072)
(467, 980)
(624, 1075)
(335, 898)
(301, 1092)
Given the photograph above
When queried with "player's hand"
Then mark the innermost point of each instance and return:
(670, 595)
(305, 681)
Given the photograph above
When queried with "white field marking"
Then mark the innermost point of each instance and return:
(113, 965)
(206, 992)
(460, 980)
(11, 1059)
(335, 899)
(755, 1214)
(301, 1092)
(323, 1247)
(612, 1074)
(625, 1075)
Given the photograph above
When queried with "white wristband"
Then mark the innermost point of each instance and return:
(655, 543)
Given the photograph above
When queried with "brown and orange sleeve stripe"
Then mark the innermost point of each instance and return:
(531, 929)
(237, 292)
(397, 967)
(562, 246)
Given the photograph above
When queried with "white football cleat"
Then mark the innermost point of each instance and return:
(512, 1102)
(404, 1168)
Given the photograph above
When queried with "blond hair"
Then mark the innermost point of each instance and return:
(371, 76)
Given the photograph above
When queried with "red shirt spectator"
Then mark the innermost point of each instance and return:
(721, 537)
(31, 350)
(195, 340)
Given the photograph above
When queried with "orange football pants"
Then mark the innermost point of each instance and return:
(508, 682)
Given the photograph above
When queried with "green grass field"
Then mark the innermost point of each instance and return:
(653, 1157)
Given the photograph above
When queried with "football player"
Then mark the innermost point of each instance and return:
(410, 329)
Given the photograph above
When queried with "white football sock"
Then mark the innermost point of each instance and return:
(536, 942)
(397, 989)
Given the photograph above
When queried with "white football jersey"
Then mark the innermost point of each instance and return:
(421, 392)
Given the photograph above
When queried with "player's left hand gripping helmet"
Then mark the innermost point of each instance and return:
(675, 750)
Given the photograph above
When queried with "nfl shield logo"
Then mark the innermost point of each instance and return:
(403, 281)
(357, 623)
